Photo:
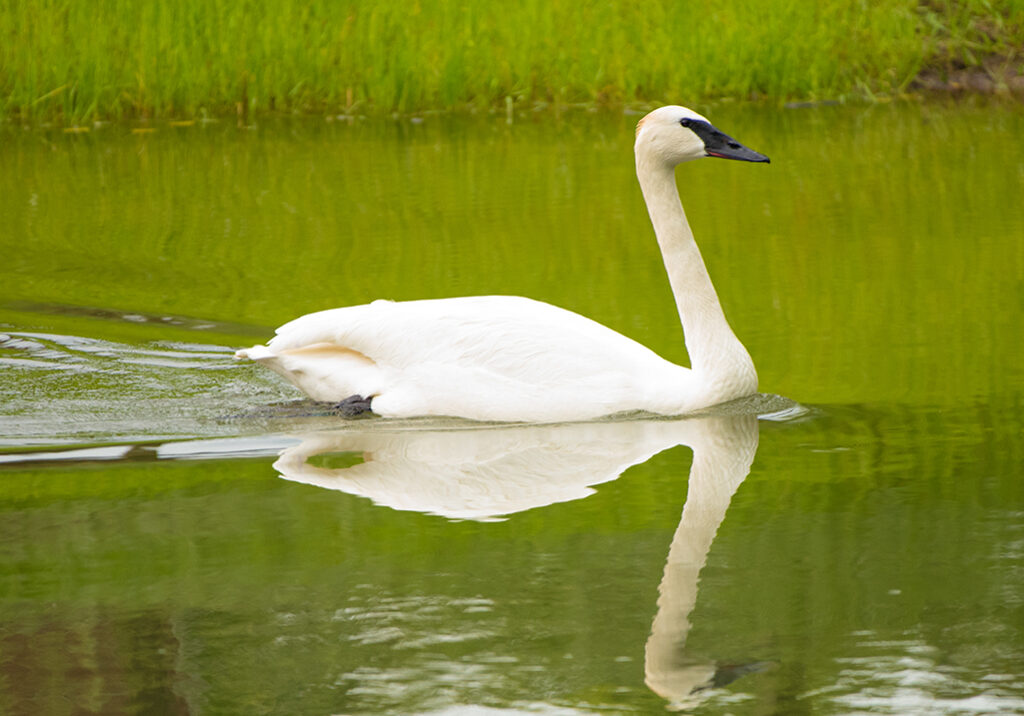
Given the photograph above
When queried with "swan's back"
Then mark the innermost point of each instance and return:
(463, 331)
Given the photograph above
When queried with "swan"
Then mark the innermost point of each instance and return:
(513, 359)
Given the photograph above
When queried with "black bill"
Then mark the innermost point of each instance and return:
(721, 145)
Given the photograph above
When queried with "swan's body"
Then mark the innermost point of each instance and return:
(508, 358)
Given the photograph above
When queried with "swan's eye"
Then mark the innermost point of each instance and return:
(685, 122)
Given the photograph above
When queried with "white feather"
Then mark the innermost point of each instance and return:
(508, 358)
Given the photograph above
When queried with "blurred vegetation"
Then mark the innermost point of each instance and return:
(73, 61)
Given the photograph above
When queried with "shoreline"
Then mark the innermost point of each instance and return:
(993, 78)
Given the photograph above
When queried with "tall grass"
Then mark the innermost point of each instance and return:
(85, 59)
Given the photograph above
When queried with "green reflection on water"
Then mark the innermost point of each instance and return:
(871, 560)
(886, 227)
(862, 545)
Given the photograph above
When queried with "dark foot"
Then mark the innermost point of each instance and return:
(354, 405)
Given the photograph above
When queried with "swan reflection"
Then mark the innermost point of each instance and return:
(723, 451)
(489, 472)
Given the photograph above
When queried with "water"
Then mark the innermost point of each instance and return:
(860, 553)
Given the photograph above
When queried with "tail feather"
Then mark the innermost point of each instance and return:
(255, 353)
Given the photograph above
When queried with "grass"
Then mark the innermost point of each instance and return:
(79, 60)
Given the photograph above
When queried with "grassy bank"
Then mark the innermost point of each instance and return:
(73, 60)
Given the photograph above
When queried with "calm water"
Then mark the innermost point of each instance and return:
(863, 553)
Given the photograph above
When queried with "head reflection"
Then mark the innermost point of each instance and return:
(487, 473)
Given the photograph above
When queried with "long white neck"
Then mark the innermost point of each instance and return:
(720, 363)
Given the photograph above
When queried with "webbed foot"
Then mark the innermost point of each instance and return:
(354, 405)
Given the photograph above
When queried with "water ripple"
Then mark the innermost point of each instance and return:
(60, 389)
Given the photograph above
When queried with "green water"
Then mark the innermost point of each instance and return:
(863, 553)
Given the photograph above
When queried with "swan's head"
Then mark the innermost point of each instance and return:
(674, 135)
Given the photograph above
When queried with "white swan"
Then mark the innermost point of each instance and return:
(507, 358)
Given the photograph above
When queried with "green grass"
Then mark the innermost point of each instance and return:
(78, 60)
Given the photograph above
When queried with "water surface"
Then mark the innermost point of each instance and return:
(861, 554)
